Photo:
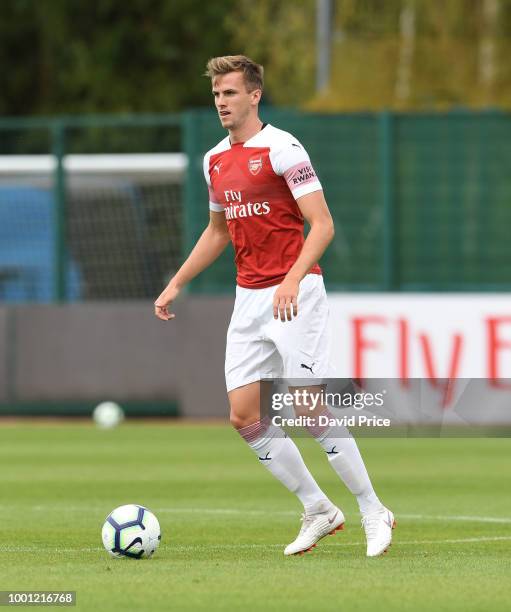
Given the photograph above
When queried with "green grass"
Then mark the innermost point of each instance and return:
(225, 522)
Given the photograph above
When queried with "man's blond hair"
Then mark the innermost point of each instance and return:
(252, 72)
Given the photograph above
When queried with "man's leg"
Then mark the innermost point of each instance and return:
(275, 451)
(346, 460)
(305, 348)
(344, 457)
(279, 454)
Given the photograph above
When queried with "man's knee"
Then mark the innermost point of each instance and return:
(236, 421)
(241, 420)
(245, 409)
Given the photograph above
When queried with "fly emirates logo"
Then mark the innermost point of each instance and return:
(236, 209)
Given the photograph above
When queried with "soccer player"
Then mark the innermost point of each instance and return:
(261, 188)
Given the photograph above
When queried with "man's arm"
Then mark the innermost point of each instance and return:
(209, 247)
(315, 210)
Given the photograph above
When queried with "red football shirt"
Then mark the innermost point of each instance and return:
(256, 184)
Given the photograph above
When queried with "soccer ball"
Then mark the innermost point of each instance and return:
(107, 415)
(131, 531)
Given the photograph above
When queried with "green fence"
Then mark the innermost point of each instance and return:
(92, 233)
(420, 201)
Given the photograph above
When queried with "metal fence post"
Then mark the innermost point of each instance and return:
(59, 212)
(390, 234)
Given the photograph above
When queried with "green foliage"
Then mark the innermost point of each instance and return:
(280, 34)
(108, 55)
(442, 60)
(62, 56)
(454, 54)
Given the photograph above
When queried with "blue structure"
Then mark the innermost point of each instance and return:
(27, 247)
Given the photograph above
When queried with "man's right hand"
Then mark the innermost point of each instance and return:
(161, 306)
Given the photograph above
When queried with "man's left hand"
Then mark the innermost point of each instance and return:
(285, 300)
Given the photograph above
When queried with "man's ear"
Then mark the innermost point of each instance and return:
(256, 96)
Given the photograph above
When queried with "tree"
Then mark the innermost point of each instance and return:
(280, 34)
(68, 56)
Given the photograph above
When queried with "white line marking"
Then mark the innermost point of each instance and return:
(340, 544)
(413, 517)
(228, 511)
(247, 512)
(461, 540)
(184, 547)
(475, 519)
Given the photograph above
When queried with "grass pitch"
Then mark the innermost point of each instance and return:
(225, 522)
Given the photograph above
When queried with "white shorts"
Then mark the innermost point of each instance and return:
(259, 346)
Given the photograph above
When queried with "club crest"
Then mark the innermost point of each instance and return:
(255, 164)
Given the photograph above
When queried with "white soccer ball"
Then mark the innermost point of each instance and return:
(107, 415)
(131, 531)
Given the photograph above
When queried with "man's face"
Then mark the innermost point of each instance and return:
(232, 100)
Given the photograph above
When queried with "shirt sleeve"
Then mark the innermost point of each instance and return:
(292, 162)
(214, 205)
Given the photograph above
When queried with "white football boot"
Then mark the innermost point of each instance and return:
(378, 527)
(322, 519)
